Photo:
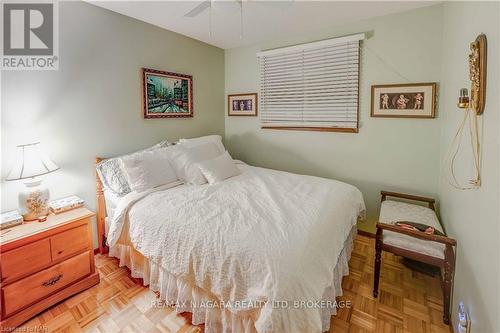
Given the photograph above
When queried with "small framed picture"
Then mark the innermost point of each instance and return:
(166, 94)
(242, 104)
(414, 100)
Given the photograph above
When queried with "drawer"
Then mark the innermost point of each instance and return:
(24, 260)
(69, 242)
(32, 288)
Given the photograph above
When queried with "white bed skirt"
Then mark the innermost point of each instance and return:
(186, 297)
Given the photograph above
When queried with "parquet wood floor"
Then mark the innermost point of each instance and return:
(409, 302)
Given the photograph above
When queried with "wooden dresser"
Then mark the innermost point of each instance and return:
(42, 263)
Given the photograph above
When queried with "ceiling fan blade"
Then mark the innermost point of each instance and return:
(283, 4)
(198, 9)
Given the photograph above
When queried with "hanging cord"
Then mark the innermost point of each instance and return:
(393, 69)
(476, 148)
(457, 140)
(476, 151)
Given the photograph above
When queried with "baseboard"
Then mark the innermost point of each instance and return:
(366, 233)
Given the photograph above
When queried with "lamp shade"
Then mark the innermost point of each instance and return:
(30, 162)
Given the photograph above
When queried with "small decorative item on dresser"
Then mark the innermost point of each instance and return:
(10, 219)
(65, 204)
(242, 104)
(30, 163)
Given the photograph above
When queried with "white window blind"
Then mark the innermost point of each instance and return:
(311, 86)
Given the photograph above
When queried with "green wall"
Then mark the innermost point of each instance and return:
(472, 217)
(391, 154)
(427, 44)
(92, 105)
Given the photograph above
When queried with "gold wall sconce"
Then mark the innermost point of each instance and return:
(477, 76)
(473, 107)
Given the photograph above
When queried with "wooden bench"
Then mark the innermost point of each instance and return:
(415, 245)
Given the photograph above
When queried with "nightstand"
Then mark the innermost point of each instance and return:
(43, 263)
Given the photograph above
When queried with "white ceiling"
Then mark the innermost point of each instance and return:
(262, 20)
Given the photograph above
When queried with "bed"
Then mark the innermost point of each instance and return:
(264, 251)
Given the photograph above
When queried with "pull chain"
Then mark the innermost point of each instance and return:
(241, 19)
(210, 20)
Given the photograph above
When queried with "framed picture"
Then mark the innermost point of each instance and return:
(415, 100)
(242, 104)
(166, 94)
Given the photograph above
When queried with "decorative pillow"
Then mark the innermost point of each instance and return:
(219, 168)
(111, 172)
(215, 139)
(184, 160)
(148, 169)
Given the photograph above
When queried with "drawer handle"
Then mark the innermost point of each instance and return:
(52, 281)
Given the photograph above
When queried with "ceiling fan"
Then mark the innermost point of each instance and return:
(207, 4)
(199, 9)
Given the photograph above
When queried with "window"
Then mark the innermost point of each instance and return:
(311, 86)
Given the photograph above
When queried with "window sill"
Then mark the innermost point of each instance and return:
(315, 129)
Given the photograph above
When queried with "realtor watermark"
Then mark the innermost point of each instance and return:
(280, 304)
(25, 329)
(30, 32)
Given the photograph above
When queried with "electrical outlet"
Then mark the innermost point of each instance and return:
(463, 319)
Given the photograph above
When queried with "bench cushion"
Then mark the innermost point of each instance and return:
(395, 211)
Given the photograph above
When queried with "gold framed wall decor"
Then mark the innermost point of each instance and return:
(166, 94)
(405, 100)
(477, 73)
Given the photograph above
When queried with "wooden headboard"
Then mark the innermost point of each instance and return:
(101, 212)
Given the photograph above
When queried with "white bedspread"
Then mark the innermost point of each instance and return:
(264, 235)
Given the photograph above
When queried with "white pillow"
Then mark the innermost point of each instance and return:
(148, 169)
(219, 168)
(112, 175)
(215, 139)
(184, 160)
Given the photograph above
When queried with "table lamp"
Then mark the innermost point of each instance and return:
(31, 162)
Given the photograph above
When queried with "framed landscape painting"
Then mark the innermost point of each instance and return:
(414, 100)
(242, 104)
(166, 94)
